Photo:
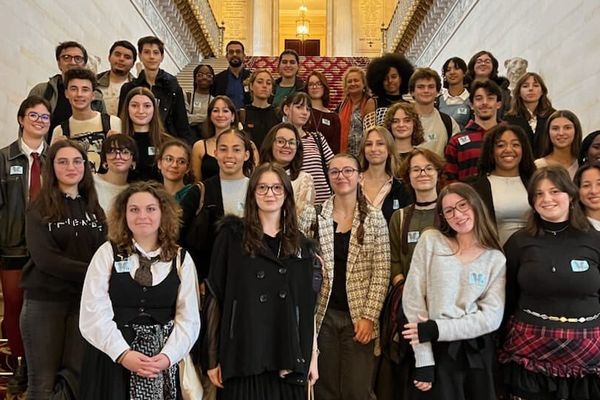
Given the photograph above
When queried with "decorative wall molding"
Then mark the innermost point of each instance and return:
(405, 21)
(442, 21)
(160, 26)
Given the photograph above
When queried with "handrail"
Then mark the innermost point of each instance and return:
(208, 22)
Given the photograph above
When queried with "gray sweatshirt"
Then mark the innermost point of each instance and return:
(465, 300)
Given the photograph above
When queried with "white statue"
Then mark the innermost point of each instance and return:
(516, 67)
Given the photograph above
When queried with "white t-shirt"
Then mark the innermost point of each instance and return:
(106, 192)
(234, 196)
(435, 133)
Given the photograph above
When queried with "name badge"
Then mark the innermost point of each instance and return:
(396, 204)
(16, 170)
(246, 89)
(462, 111)
(123, 266)
(325, 121)
(579, 265)
(151, 150)
(464, 140)
(477, 279)
(413, 236)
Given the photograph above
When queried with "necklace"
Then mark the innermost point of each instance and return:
(425, 203)
(556, 231)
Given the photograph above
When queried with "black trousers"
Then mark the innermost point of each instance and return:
(463, 371)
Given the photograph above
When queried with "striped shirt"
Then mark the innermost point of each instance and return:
(462, 153)
(313, 163)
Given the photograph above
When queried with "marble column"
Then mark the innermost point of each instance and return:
(342, 34)
(263, 26)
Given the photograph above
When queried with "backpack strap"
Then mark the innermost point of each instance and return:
(105, 122)
(315, 225)
(66, 129)
(447, 120)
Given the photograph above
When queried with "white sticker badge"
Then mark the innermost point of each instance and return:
(16, 170)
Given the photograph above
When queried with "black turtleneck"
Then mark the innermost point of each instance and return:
(554, 273)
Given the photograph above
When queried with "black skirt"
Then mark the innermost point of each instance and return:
(266, 386)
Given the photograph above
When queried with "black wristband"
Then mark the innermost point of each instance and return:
(428, 331)
(425, 374)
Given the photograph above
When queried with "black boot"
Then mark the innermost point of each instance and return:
(18, 383)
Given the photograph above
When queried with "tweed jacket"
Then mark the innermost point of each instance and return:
(368, 266)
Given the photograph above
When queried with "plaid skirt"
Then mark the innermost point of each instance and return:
(540, 363)
(564, 352)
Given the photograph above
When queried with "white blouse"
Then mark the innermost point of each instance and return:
(96, 314)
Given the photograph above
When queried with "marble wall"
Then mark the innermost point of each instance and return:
(560, 39)
(31, 29)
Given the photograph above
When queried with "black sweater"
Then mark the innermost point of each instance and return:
(557, 275)
(60, 252)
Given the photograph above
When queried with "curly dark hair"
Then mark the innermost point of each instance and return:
(487, 161)
(379, 68)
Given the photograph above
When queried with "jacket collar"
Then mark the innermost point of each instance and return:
(16, 150)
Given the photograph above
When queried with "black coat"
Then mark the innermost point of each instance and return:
(266, 306)
(398, 197)
(171, 103)
(222, 79)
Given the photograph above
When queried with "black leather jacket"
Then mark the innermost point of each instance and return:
(14, 198)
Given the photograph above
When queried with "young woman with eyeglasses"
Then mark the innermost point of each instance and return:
(139, 307)
(261, 336)
(322, 119)
(316, 150)
(422, 169)
(118, 157)
(353, 237)
(204, 77)
(65, 225)
(20, 183)
(454, 300)
(483, 65)
(284, 147)
(141, 120)
(551, 341)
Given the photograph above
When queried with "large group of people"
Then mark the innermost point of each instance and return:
(432, 237)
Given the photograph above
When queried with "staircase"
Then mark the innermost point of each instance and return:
(332, 67)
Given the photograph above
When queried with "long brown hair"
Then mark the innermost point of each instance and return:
(266, 150)
(483, 228)
(50, 202)
(546, 143)
(517, 107)
(253, 232)
(361, 201)
(210, 129)
(174, 142)
(157, 132)
(168, 232)
(561, 179)
(391, 163)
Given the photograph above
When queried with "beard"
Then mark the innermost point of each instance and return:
(235, 62)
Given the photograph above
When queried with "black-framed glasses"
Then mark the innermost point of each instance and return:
(204, 74)
(347, 172)
(262, 189)
(315, 85)
(68, 58)
(281, 142)
(463, 206)
(429, 170)
(34, 116)
(124, 153)
(179, 161)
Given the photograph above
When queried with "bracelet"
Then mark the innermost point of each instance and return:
(122, 356)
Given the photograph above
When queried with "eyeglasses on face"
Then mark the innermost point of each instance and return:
(69, 58)
(179, 161)
(204, 74)
(315, 85)
(33, 116)
(281, 142)
(485, 61)
(124, 153)
(463, 206)
(262, 189)
(429, 170)
(347, 172)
